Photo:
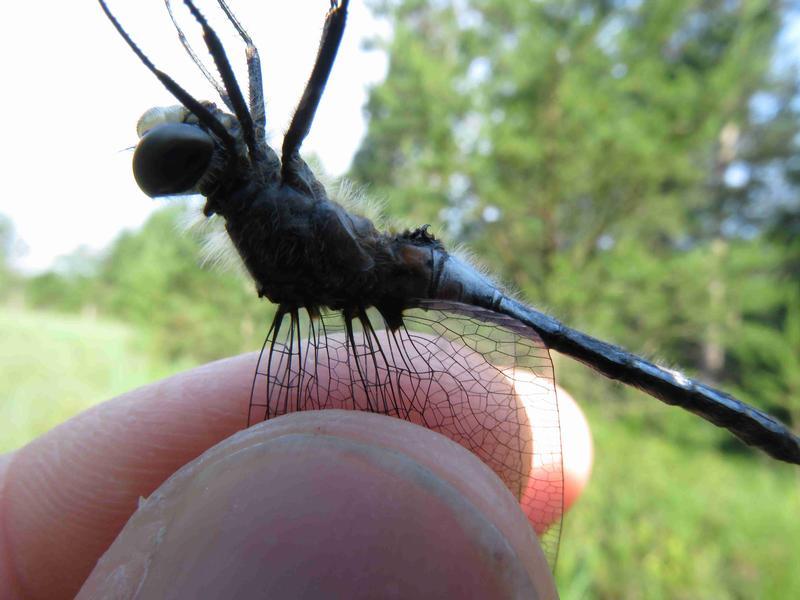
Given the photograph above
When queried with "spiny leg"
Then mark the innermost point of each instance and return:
(376, 351)
(298, 401)
(314, 340)
(276, 327)
(196, 59)
(408, 369)
(384, 397)
(240, 109)
(255, 85)
(304, 115)
(348, 355)
(282, 370)
(348, 325)
(256, 375)
(307, 366)
(184, 97)
(425, 377)
(288, 370)
(320, 338)
(369, 354)
(255, 82)
(269, 339)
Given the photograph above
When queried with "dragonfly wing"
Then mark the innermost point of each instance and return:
(483, 379)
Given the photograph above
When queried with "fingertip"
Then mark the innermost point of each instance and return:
(577, 448)
(351, 503)
(69, 492)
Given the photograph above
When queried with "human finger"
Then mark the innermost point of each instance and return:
(328, 503)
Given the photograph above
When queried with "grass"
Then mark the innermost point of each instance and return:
(53, 366)
(666, 514)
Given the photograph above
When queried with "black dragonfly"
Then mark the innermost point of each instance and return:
(389, 322)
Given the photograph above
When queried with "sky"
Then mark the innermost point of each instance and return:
(73, 92)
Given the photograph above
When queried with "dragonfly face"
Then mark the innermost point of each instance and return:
(173, 156)
(177, 154)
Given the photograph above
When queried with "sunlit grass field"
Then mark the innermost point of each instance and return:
(665, 515)
(669, 517)
(52, 366)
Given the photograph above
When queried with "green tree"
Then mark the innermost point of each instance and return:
(8, 279)
(581, 148)
(70, 286)
(632, 167)
(158, 279)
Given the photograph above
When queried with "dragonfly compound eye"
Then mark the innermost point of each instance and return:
(171, 159)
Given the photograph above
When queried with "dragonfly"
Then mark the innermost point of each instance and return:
(383, 321)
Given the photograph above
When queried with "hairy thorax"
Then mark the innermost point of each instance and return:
(312, 253)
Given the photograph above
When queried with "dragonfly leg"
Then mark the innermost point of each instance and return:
(292, 166)
(358, 352)
(255, 82)
(196, 59)
(386, 385)
(184, 97)
(238, 104)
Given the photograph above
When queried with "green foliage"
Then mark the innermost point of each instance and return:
(70, 286)
(58, 291)
(8, 279)
(660, 519)
(667, 518)
(157, 279)
(585, 149)
(53, 366)
(632, 168)
(6, 239)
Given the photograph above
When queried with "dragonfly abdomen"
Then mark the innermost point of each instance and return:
(749, 424)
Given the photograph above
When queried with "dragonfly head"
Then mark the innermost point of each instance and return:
(176, 154)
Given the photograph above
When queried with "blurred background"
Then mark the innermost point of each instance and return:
(630, 166)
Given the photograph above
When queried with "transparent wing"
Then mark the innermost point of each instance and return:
(482, 379)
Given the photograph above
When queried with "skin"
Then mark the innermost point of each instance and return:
(357, 504)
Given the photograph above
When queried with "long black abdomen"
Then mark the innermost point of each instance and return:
(749, 424)
(461, 282)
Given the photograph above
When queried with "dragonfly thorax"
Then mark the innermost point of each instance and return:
(304, 251)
